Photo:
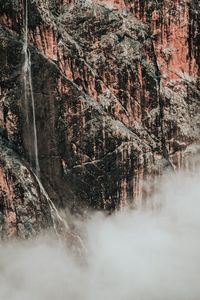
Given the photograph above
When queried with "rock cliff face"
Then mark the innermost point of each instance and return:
(23, 206)
(116, 95)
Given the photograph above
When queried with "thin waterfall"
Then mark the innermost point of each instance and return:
(31, 120)
(29, 96)
(30, 115)
(61, 227)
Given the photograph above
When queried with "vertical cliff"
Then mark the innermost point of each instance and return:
(116, 91)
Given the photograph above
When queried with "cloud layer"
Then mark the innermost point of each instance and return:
(149, 254)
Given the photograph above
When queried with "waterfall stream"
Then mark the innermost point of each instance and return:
(29, 95)
(60, 225)
(31, 120)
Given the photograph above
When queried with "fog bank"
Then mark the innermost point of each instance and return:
(147, 254)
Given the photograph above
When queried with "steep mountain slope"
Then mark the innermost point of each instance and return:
(116, 94)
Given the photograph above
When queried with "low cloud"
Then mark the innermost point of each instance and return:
(148, 254)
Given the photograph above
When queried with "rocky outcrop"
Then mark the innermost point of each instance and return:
(24, 210)
(116, 90)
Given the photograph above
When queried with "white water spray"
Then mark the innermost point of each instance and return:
(28, 89)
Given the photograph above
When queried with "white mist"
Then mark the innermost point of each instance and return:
(142, 255)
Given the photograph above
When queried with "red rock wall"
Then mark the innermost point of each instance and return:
(116, 93)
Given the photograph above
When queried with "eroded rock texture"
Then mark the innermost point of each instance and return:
(116, 92)
(24, 210)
